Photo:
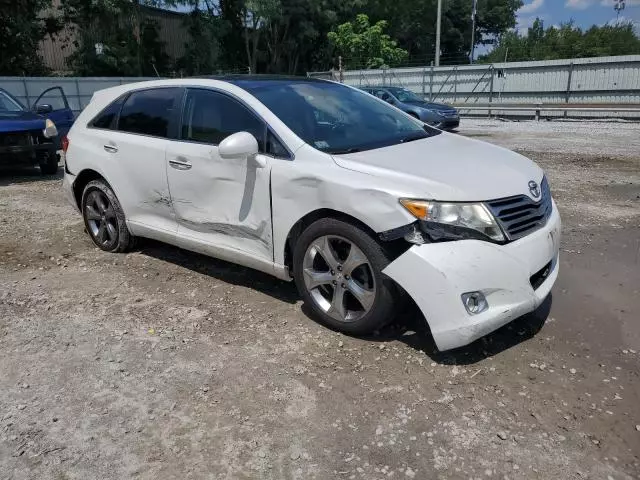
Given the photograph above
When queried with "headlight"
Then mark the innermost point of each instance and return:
(473, 216)
(50, 129)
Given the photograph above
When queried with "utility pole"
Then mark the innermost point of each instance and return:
(618, 6)
(474, 12)
(438, 22)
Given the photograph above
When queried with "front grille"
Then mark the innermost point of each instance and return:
(22, 139)
(519, 216)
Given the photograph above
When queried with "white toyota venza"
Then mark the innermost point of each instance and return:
(313, 180)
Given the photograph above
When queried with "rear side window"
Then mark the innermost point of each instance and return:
(107, 117)
(210, 117)
(149, 112)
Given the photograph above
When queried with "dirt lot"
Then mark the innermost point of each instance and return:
(164, 364)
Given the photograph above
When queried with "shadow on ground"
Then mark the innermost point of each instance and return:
(11, 175)
(410, 327)
(222, 270)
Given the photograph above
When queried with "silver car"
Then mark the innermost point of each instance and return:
(438, 115)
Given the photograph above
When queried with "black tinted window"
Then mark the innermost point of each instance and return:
(275, 147)
(210, 117)
(148, 112)
(106, 118)
(334, 118)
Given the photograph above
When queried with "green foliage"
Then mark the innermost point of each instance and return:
(113, 38)
(201, 57)
(23, 24)
(566, 41)
(363, 44)
(118, 37)
(413, 24)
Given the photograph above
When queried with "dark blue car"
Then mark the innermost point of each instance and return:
(32, 137)
(439, 115)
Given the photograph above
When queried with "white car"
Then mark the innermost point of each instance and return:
(320, 182)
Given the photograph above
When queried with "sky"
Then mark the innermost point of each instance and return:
(584, 12)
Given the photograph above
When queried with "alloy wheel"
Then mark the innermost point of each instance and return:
(101, 218)
(339, 278)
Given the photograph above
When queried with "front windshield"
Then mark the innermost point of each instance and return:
(8, 104)
(334, 118)
(405, 95)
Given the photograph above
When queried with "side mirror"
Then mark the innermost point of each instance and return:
(44, 108)
(241, 145)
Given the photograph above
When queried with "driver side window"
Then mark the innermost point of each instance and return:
(210, 117)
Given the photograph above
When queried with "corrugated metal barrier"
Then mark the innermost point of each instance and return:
(580, 81)
(610, 80)
(78, 90)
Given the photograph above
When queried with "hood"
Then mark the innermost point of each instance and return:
(20, 121)
(448, 167)
(431, 105)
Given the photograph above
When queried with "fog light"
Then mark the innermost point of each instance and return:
(474, 302)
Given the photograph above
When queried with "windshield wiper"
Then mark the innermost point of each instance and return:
(343, 152)
(411, 138)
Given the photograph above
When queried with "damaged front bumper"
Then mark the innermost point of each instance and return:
(514, 278)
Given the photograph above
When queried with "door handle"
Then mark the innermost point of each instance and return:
(111, 148)
(180, 163)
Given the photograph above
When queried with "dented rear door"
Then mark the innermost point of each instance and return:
(222, 206)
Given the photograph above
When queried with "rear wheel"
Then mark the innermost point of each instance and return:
(337, 268)
(104, 218)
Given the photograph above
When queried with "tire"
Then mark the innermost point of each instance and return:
(378, 291)
(100, 206)
(49, 164)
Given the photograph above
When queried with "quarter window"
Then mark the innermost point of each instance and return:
(148, 112)
(210, 117)
(275, 147)
(106, 118)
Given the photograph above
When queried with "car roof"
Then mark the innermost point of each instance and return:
(240, 82)
(249, 81)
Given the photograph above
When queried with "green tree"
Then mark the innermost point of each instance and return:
(113, 37)
(566, 41)
(23, 24)
(203, 49)
(413, 24)
(296, 39)
(364, 45)
(256, 14)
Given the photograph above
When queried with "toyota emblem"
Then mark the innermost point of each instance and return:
(534, 189)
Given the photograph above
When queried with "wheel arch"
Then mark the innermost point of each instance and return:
(296, 230)
(82, 179)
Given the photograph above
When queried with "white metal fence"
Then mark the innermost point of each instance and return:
(612, 80)
(78, 90)
(609, 80)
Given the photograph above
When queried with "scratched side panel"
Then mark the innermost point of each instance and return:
(313, 181)
(221, 204)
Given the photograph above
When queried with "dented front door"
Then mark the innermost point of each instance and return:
(221, 205)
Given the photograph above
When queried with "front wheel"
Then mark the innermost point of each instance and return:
(337, 268)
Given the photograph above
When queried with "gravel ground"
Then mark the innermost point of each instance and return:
(163, 364)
